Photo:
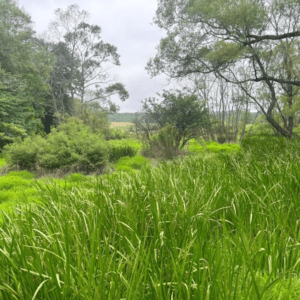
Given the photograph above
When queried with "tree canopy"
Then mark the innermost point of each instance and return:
(238, 41)
(185, 112)
(42, 79)
(89, 55)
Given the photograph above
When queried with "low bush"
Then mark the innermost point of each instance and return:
(118, 151)
(116, 134)
(76, 177)
(2, 162)
(72, 145)
(163, 144)
(195, 146)
(23, 154)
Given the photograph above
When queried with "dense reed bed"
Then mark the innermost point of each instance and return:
(224, 226)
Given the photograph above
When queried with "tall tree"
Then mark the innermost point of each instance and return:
(234, 40)
(15, 34)
(90, 52)
(17, 115)
(25, 67)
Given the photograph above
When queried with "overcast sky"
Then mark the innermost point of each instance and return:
(125, 24)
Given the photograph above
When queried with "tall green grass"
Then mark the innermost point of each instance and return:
(223, 227)
(17, 188)
(211, 147)
(2, 162)
(121, 148)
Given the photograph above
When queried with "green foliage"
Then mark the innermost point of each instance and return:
(92, 115)
(116, 134)
(163, 144)
(17, 188)
(17, 115)
(130, 164)
(72, 144)
(22, 174)
(212, 147)
(89, 69)
(24, 153)
(2, 162)
(195, 146)
(76, 177)
(118, 151)
(24, 58)
(120, 148)
(223, 227)
(15, 33)
(213, 37)
(264, 145)
(216, 148)
(185, 112)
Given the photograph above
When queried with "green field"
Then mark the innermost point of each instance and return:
(221, 224)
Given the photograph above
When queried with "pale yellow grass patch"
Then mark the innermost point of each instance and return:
(120, 124)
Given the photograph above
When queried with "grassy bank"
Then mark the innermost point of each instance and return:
(217, 228)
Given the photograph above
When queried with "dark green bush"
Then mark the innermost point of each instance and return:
(72, 144)
(23, 154)
(95, 156)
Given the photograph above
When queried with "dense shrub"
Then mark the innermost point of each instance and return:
(116, 134)
(72, 144)
(24, 153)
(95, 156)
(118, 151)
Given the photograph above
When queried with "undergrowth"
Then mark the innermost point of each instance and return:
(223, 227)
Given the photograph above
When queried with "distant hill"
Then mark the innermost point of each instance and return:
(123, 117)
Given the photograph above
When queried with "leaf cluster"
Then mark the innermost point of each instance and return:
(185, 112)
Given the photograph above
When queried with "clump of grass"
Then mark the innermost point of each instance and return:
(131, 164)
(227, 147)
(224, 227)
(76, 177)
(12, 182)
(212, 147)
(16, 188)
(195, 146)
(2, 162)
(21, 174)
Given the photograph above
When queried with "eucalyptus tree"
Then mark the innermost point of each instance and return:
(236, 41)
(91, 56)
